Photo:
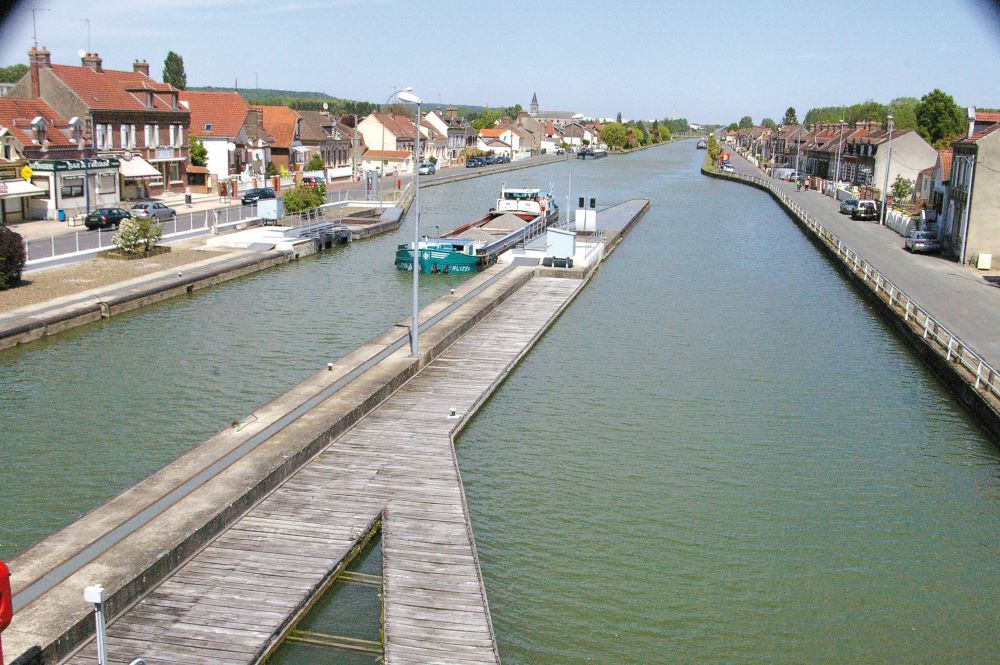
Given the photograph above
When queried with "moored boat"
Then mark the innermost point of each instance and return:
(520, 214)
(702, 144)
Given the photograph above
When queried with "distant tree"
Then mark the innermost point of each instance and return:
(13, 73)
(769, 123)
(939, 118)
(901, 188)
(512, 111)
(713, 148)
(904, 112)
(173, 71)
(618, 118)
(614, 135)
(746, 122)
(732, 127)
(199, 153)
(315, 163)
(790, 118)
(638, 135)
(486, 118)
(662, 134)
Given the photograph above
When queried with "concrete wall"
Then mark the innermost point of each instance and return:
(911, 154)
(984, 215)
(218, 156)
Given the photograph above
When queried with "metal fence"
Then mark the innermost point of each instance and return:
(943, 340)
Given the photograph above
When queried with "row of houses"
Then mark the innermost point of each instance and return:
(91, 136)
(957, 188)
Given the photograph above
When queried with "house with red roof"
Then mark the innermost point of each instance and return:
(231, 131)
(127, 117)
(460, 133)
(970, 228)
(387, 135)
(282, 128)
(331, 140)
(30, 129)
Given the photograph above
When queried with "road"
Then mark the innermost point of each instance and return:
(960, 297)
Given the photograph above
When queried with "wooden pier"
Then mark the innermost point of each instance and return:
(233, 601)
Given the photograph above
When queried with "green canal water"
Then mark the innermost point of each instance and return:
(717, 454)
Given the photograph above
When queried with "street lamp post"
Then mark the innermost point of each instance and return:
(888, 163)
(840, 143)
(407, 96)
(381, 168)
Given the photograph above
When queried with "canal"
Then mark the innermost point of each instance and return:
(717, 454)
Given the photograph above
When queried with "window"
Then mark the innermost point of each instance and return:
(109, 136)
(156, 135)
(7, 152)
(147, 135)
(105, 183)
(131, 136)
(175, 171)
(208, 126)
(173, 135)
(180, 136)
(99, 140)
(71, 186)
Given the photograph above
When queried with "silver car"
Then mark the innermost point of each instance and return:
(922, 241)
(153, 209)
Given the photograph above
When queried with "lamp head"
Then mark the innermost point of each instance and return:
(407, 96)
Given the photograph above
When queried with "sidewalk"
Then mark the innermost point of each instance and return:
(964, 299)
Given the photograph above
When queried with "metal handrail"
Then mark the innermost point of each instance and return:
(949, 344)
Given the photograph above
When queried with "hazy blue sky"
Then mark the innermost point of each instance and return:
(706, 61)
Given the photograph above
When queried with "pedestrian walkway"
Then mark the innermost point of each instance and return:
(965, 300)
(230, 602)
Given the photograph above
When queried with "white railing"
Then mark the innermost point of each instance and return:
(947, 343)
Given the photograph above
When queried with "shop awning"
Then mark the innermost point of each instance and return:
(13, 189)
(137, 167)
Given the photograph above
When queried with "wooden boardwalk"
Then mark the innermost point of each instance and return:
(227, 603)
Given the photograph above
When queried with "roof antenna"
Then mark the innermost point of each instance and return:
(87, 21)
(34, 26)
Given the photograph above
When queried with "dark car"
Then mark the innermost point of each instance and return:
(256, 194)
(474, 162)
(106, 218)
(865, 210)
(848, 206)
(154, 210)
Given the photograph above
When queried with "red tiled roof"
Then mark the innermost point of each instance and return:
(492, 132)
(111, 89)
(987, 116)
(945, 155)
(401, 126)
(980, 134)
(388, 154)
(17, 114)
(224, 111)
(279, 123)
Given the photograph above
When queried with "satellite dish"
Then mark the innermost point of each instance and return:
(231, 147)
(326, 107)
(127, 156)
(81, 53)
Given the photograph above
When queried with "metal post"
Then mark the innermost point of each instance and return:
(95, 594)
(836, 176)
(888, 163)
(415, 323)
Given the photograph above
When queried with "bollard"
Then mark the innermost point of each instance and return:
(6, 606)
(95, 594)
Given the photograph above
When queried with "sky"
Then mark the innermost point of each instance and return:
(709, 62)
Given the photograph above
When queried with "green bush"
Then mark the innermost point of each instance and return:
(12, 258)
(137, 235)
(315, 163)
(301, 198)
(271, 170)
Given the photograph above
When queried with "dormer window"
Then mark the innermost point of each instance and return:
(149, 100)
(208, 126)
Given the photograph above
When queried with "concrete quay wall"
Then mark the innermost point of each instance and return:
(975, 388)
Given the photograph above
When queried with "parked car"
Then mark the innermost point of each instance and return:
(474, 162)
(728, 168)
(153, 209)
(106, 218)
(560, 151)
(922, 241)
(848, 206)
(256, 194)
(309, 181)
(865, 210)
(427, 168)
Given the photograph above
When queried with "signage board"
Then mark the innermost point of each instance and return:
(74, 164)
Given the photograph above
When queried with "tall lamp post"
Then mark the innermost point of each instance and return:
(407, 96)
(840, 143)
(381, 168)
(888, 163)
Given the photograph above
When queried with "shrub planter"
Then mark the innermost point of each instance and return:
(121, 256)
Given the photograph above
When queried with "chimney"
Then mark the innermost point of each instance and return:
(970, 115)
(450, 112)
(141, 67)
(38, 58)
(93, 61)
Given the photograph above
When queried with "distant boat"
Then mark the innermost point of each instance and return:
(703, 145)
(520, 214)
(591, 153)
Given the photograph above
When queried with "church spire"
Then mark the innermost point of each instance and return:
(534, 104)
